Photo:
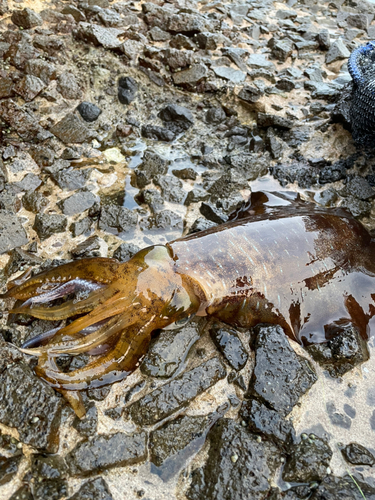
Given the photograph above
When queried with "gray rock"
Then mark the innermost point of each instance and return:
(81, 226)
(22, 493)
(359, 188)
(53, 489)
(71, 129)
(173, 437)
(249, 166)
(127, 89)
(280, 377)
(22, 50)
(68, 86)
(270, 120)
(168, 352)
(48, 224)
(182, 42)
(213, 213)
(338, 419)
(359, 21)
(324, 39)
(105, 451)
(229, 344)
(152, 165)
(233, 75)
(206, 41)
(120, 218)
(339, 355)
(96, 489)
(282, 49)
(159, 35)
(29, 183)
(89, 111)
(307, 461)
(4, 7)
(171, 188)
(215, 115)
(77, 203)
(268, 423)
(125, 251)
(250, 94)
(337, 51)
(12, 234)
(357, 454)
(27, 403)
(42, 155)
(24, 123)
(190, 78)
(97, 35)
(77, 14)
(238, 466)
(166, 219)
(188, 24)
(29, 87)
(157, 133)
(69, 179)
(26, 18)
(48, 466)
(177, 393)
(260, 61)
(176, 118)
(340, 488)
(6, 87)
(8, 469)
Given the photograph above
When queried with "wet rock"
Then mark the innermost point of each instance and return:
(97, 35)
(81, 226)
(359, 188)
(21, 260)
(48, 224)
(98, 393)
(89, 112)
(88, 425)
(71, 129)
(190, 78)
(24, 123)
(339, 355)
(77, 203)
(125, 251)
(54, 489)
(176, 118)
(238, 465)
(185, 174)
(280, 377)
(249, 166)
(168, 352)
(337, 51)
(12, 234)
(229, 344)
(8, 468)
(215, 115)
(166, 219)
(48, 466)
(338, 488)
(214, 214)
(308, 460)
(157, 133)
(120, 218)
(177, 393)
(22, 493)
(105, 451)
(302, 173)
(96, 489)
(268, 423)
(88, 248)
(173, 437)
(235, 76)
(69, 179)
(171, 188)
(29, 87)
(201, 224)
(127, 89)
(26, 18)
(357, 454)
(37, 422)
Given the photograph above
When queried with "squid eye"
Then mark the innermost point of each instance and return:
(179, 323)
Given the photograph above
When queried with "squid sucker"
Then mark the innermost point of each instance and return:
(278, 260)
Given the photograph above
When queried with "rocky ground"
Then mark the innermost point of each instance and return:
(125, 124)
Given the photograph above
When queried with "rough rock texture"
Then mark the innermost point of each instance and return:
(280, 377)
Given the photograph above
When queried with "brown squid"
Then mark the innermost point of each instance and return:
(279, 260)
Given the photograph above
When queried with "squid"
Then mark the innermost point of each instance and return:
(278, 260)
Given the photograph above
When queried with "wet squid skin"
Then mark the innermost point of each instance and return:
(279, 261)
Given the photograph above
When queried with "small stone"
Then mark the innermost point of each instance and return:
(12, 234)
(233, 75)
(191, 77)
(260, 61)
(177, 393)
(24, 123)
(89, 112)
(168, 352)
(41, 69)
(157, 133)
(71, 129)
(120, 218)
(159, 35)
(276, 364)
(215, 115)
(96, 489)
(68, 86)
(337, 51)
(26, 18)
(77, 203)
(127, 89)
(250, 94)
(29, 87)
(340, 488)
(88, 425)
(229, 344)
(308, 461)
(338, 419)
(48, 224)
(98, 35)
(357, 454)
(105, 451)
(8, 469)
(177, 118)
(125, 251)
